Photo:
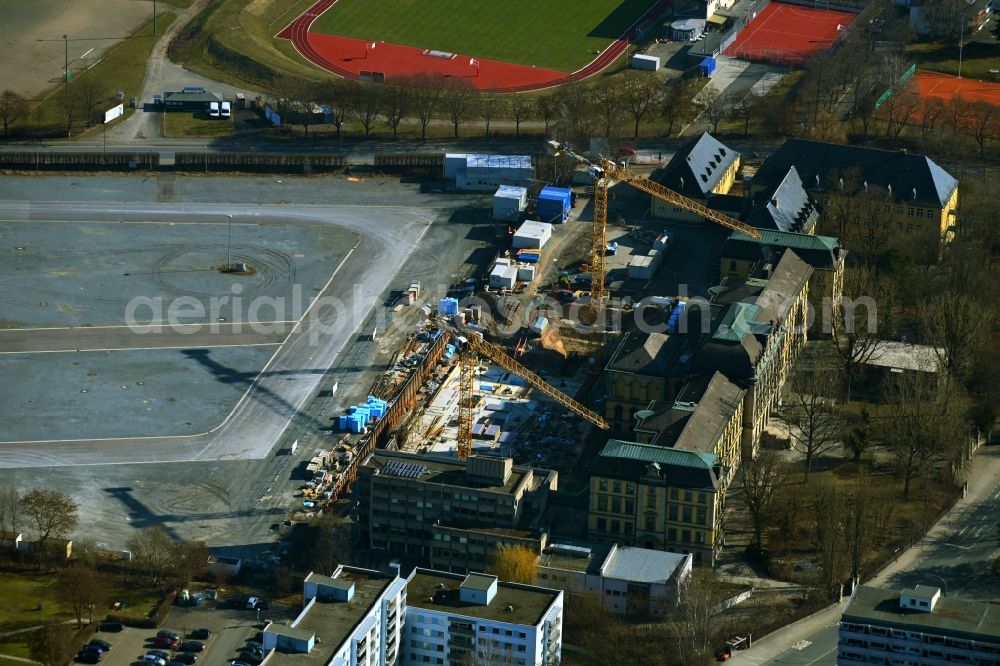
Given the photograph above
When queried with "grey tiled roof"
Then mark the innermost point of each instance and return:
(698, 166)
(642, 565)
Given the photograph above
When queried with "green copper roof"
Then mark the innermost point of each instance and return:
(736, 322)
(616, 448)
(789, 239)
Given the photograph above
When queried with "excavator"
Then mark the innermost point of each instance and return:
(606, 173)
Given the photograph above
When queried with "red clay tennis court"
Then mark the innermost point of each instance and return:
(789, 34)
(946, 87)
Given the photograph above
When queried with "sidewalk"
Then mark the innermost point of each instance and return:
(984, 477)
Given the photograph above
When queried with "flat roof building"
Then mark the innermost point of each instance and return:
(475, 618)
(919, 627)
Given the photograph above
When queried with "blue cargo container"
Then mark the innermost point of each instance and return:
(554, 204)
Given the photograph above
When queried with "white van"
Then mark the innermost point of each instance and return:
(227, 108)
(213, 109)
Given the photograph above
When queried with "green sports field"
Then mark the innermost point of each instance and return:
(557, 34)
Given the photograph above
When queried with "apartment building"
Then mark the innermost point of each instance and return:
(353, 617)
(658, 498)
(917, 627)
(476, 619)
(448, 513)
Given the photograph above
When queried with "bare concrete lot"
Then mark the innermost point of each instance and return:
(86, 274)
(132, 393)
(30, 66)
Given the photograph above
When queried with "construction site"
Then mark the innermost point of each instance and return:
(507, 364)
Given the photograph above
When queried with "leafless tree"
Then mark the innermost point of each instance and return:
(13, 107)
(926, 425)
(956, 325)
(760, 479)
(862, 319)
(82, 589)
(575, 111)
(190, 561)
(716, 106)
(10, 501)
(52, 513)
(458, 101)
(858, 438)
(397, 101)
(152, 553)
(746, 109)
(983, 121)
(427, 91)
(367, 104)
(52, 644)
(641, 95)
(337, 95)
(899, 109)
(491, 106)
(522, 107)
(814, 428)
(673, 103)
(297, 99)
(547, 108)
(830, 536)
(692, 622)
(931, 112)
(90, 94)
(606, 98)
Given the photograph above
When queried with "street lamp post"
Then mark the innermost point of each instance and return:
(961, 38)
(229, 244)
(940, 579)
(66, 69)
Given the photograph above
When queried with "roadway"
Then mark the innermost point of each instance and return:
(957, 554)
(105, 338)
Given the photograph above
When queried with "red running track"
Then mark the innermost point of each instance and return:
(348, 57)
(789, 34)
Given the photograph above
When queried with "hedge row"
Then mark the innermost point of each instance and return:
(96, 161)
(260, 162)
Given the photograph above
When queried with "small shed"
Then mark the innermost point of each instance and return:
(687, 30)
(554, 203)
(503, 277)
(189, 100)
(509, 202)
(532, 235)
(645, 62)
(641, 268)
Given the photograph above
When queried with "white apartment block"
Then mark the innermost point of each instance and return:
(917, 627)
(458, 619)
(351, 618)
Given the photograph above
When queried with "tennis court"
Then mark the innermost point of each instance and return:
(789, 34)
(947, 87)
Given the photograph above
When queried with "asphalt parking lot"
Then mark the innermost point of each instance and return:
(231, 629)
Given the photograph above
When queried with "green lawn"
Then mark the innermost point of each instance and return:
(557, 34)
(180, 124)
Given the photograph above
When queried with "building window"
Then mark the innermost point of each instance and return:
(687, 495)
(616, 504)
(687, 514)
(673, 493)
(732, 265)
(615, 526)
(650, 522)
(602, 484)
(617, 486)
(672, 512)
(701, 498)
(672, 534)
(686, 536)
(602, 525)
(629, 507)
(627, 528)
(629, 489)
(602, 502)
(699, 537)
(651, 500)
(701, 516)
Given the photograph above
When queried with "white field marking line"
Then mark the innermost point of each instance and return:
(224, 421)
(802, 645)
(147, 325)
(83, 350)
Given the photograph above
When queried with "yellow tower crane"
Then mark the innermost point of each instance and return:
(473, 347)
(606, 172)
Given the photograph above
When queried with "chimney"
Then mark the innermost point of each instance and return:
(817, 180)
(682, 182)
(866, 186)
(841, 183)
(914, 194)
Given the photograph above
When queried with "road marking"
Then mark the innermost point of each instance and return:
(802, 645)
(126, 349)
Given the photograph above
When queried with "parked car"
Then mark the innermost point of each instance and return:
(191, 646)
(188, 658)
(154, 659)
(226, 109)
(167, 633)
(111, 626)
(252, 603)
(200, 634)
(213, 109)
(237, 662)
(97, 642)
(159, 654)
(165, 642)
(174, 662)
(89, 656)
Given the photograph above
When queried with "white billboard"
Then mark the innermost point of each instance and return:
(114, 112)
